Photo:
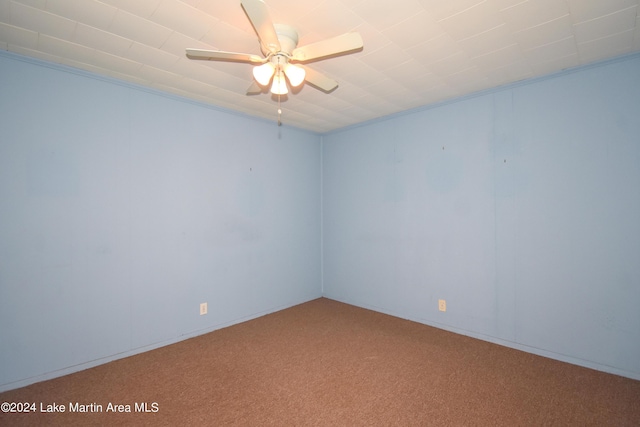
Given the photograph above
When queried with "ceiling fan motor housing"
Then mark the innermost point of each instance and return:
(288, 38)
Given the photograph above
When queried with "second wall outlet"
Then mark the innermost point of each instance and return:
(203, 308)
(442, 305)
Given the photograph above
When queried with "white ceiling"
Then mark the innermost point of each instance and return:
(416, 52)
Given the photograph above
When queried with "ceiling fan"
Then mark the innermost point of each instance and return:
(278, 44)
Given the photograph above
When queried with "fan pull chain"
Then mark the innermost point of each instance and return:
(279, 112)
(279, 109)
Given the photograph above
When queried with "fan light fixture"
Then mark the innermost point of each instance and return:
(295, 74)
(264, 72)
(279, 86)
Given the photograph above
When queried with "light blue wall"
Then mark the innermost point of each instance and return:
(520, 208)
(121, 210)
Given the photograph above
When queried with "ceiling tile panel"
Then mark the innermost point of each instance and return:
(426, 83)
(228, 12)
(156, 75)
(5, 11)
(446, 9)
(351, 3)
(504, 4)
(496, 38)
(211, 76)
(142, 8)
(585, 10)
(222, 36)
(606, 25)
(407, 72)
(386, 89)
(90, 12)
(137, 28)
(235, 70)
(362, 75)
(387, 57)
(435, 49)
(383, 14)
(183, 18)
(451, 64)
(534, 12)
(377, 106)
(337, 66)
(66, 49)
(286, 11)
(346, 91)
(510, 73)
(116, 63)
(374, 38)
(334, 106)
(329, 17)
(546, 33)
(332, 103)
(177, 43)
(237, 84)
(316, 97)
(101, 40)
(552, 51)
(543, 67)
(470, 77)
(471, 22)
(195, 86)
(40, 4)
(499, 58)
(440, 93)
(11, 34)
(598, 49)
(40, 21)
(149, 55)
(356, 113)
(419, 28)
(309, 108)
(195, 69)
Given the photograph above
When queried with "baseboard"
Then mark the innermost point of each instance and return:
(101, 361)
(506, 343)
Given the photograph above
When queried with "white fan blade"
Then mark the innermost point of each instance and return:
(218, 55)
(254, 89)
(258, 14)
(320, 81)
(339, 45)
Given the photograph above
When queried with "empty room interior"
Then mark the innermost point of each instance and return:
(447, 170)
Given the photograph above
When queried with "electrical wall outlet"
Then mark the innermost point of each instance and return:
(203, 308)
(442, 305)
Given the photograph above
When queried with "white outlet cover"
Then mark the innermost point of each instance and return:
(203, 308)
